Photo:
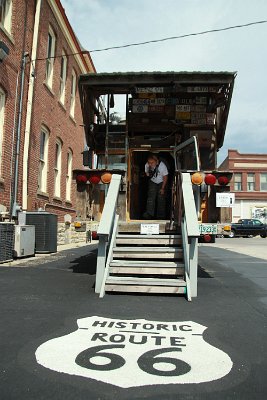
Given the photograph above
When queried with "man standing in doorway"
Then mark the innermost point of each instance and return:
(157, 172)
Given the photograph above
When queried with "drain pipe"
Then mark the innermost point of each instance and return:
(29, 106)
(15, 206)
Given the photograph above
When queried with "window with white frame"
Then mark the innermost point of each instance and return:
(43, 160)
(6, 14)
(73, 93)
(237, 181)
(51, 46)
(58, 151)
(2, 115)
(250, 182)
(69, 174)
(63, 77)
(263, 182)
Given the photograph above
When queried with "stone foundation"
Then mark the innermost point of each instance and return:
(68, 233)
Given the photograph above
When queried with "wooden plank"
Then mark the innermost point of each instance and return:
(148, 241)
(144, 271)
(151, 256)
(146, 264)
(123, 280)
(160, 236)
(145, 289)
(147, 250)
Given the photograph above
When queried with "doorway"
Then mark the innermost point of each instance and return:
(139, 181)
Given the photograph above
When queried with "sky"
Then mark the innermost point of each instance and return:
(104, 23)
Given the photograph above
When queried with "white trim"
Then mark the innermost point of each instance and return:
(2, 119)
(7, 17)
(73, 93)
(57, 168)
(49, 65)
(29, 106)
(73, 47)
(63, 77)
(69, 174)
(42, 170)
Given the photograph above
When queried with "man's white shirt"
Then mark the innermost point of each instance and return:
(162, 171)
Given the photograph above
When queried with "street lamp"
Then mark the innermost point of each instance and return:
(4, 51)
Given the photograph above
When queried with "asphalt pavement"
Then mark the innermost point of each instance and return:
(221, 335)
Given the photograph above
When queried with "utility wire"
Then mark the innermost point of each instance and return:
(157, 40)
(180, 37)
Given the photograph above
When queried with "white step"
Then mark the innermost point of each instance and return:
(149, 239)
(147, 252)
(145, 285)
(146, 267)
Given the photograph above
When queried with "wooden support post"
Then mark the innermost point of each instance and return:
(101, 262)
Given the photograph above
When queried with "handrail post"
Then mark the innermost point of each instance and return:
(105, 228)
(101, 262)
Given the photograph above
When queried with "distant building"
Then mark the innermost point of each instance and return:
(249, 184)
(41, 132)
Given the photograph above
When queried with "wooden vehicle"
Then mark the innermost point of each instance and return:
(181, 117)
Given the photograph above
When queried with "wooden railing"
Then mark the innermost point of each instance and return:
(106, 230)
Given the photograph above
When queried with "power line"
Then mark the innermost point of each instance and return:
(179, 37)
(157, 40)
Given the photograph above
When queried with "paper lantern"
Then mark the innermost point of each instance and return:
(210, 179)
(94, 179)
(106, 177)
(197, 178)
(223, 180)
(81, 178)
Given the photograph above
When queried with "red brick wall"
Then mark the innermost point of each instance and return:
(46, 111)
(10, 69)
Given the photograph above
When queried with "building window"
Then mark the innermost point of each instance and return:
(69, 175)
(250, 182)
(42, 175)
(237, 182)
(263, 182)
(57, 190)
(51, 45)
(73, 93)
(63, 77)
(6, 14)
(2, 114)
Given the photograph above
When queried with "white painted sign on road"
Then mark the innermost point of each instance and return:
(131, 353)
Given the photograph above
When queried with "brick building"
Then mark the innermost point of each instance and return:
(249, 184)
(41, 132)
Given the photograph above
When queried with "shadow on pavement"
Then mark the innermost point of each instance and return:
(85, 264)
(202, 273)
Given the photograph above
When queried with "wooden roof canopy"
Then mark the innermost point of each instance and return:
(94, 85)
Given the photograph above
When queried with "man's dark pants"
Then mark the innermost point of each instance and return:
(156, 202)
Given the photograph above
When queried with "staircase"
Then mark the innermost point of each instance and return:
(147, 264)
(131, 262)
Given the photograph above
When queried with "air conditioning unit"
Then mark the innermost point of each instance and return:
(45, 229)
(24, 244)
(6, 241)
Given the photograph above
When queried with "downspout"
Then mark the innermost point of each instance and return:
(29, 106)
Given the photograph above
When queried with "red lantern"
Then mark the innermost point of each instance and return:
(81, 178)
(223, 180)
(210, 179)
(95, 179)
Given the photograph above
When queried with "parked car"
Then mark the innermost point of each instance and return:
(248, 228)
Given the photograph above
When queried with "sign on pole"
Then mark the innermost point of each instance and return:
(225, 199)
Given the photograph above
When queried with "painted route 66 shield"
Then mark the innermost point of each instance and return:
(129, 353)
